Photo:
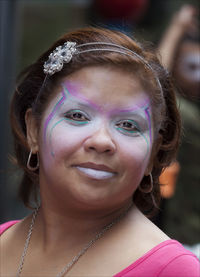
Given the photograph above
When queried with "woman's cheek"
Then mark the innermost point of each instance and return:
(65, 138)
(137, 148)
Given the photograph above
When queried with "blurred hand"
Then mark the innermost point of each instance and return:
(186, 19)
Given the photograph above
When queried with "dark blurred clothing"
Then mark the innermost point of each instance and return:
(183, 210)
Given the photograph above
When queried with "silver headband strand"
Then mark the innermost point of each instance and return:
(64, 53)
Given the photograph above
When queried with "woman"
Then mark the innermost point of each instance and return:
(94, 121)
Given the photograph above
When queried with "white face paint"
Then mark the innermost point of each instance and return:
(96, 137)
(189, 67)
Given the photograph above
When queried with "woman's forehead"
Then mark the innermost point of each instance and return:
(104, 87)
(127, 105)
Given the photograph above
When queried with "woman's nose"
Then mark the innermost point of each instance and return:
(101, 142)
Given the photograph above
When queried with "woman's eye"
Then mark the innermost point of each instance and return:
(76, 116)
(128, 126)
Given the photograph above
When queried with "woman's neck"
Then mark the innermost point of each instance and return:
(52, 226)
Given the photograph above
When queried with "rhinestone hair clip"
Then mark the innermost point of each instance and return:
(64, 54)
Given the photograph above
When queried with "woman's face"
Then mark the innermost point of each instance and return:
(96, 138)
(187, 69)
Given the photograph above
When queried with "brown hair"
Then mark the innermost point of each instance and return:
(31, 86)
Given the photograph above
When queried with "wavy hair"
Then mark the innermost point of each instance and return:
(30, 86)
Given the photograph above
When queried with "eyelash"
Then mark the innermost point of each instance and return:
(71, 116)
(130, 126)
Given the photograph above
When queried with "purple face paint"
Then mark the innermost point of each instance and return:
(139, 108)
(132, 108)
(55, 109)
(100, 116)
(74, 89)
(149, 122)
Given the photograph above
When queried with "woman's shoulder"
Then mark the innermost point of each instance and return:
(12, 237)
(175, 260)
(167, 259)
(157, 254)
(7, 225)
(178, 261)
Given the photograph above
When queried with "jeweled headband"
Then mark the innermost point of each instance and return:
(64, 53)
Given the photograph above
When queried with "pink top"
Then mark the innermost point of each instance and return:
(167, 259)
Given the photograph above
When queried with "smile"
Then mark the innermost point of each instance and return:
(96, 173)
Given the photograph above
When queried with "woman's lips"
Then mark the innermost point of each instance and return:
(96, 171)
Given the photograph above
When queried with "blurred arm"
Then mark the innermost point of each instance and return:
(184, 21)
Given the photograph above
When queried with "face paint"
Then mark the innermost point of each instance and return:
(189, 67)
(143, 109)
(57, 107)
(99, 118)
(72, 89)
(77, 99)
(52, 114)
(147, 113)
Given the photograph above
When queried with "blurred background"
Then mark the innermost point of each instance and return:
(28, 27)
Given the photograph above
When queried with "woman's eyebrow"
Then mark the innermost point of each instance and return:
(70, 89)
(81, 105)
(135, 109)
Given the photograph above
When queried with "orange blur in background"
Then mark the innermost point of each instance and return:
(168, 180)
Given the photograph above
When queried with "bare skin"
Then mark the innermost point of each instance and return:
(118, 248)
(73, 209)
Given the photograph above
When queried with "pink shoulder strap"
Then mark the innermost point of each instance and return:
(7, 225)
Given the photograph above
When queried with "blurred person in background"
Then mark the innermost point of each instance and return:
(180, 54)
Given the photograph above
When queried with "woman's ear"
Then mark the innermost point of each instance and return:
(155, 148)
(31, 131)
